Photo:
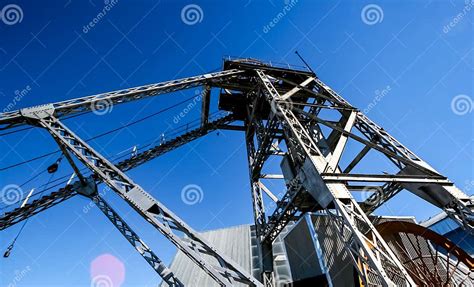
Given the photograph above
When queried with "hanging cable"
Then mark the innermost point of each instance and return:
(34, 177)
(171, 134)
(10, 247)
(29, 160)
(100, 135)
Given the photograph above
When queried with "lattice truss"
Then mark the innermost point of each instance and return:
(324, 144)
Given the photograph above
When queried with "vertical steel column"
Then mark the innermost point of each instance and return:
(206, 102)
(265, 247)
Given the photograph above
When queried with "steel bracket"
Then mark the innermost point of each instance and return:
(88, 189)
(38, 112)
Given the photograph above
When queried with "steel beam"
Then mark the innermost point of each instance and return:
(357, 159)
(373, 259)
(379, 196)
(336, 154)
(86, 104)
(293, 117)
(331, 177)
(64, 193)
(159, 216)
(151, 258)
(458, 205)
(206, 101)
(265, 249)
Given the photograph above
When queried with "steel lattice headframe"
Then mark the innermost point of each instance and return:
(285, 112)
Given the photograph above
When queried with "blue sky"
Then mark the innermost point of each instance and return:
(421, 52)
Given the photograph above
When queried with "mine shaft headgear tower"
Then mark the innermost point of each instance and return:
(285, 112)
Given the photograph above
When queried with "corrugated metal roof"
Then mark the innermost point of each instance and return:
(240, 244)
(235, 242)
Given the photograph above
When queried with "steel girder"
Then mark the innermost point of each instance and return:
(38, 205)
(85, 104)
(304, 141)
(415, 175)
(153, 260)
(443, 194)
(89, 189)
(254, 129)
(376, 199)
(265, 249)
(372, 258)
(222, 269)
(286, 209)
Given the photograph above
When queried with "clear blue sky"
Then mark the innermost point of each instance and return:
(54, 53)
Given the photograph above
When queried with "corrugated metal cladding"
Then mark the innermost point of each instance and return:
(240, 244)
(316, 254)
(335, 257)
(235, 242)
(305, 252)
